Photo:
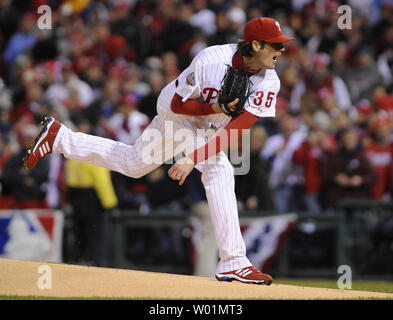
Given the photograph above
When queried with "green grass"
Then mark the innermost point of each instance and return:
(374, 286)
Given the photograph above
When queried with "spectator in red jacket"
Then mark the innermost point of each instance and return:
(309, 155)
(379, 153)
(383, 100)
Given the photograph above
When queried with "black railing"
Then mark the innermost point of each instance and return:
(315, 247)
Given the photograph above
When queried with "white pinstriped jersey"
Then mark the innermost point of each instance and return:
(203, 78)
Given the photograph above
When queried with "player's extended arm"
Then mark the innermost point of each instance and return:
(195, 108)
(190, 107)
(224, 138)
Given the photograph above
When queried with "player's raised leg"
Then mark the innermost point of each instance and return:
(113, 155)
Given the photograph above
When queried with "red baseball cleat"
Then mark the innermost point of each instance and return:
(247, 275)
(43, 143)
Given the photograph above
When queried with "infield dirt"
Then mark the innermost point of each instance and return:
(21, 278)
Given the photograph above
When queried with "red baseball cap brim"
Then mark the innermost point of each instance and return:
(282, 38)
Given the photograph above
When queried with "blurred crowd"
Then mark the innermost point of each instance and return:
(100, 68)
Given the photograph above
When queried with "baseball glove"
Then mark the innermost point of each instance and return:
(235, 84)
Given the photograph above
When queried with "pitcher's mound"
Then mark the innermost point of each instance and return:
(22, 278)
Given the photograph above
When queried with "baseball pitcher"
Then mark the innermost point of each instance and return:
(227, 87)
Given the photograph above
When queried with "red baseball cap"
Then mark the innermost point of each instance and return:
(266, 29)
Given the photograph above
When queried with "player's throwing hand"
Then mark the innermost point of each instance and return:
(181, 169)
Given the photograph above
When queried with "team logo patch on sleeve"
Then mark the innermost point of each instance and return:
(191, 79)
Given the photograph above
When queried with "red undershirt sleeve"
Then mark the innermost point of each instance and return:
(225, 137)
(190, 107)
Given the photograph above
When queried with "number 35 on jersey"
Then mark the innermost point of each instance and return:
(263, 99)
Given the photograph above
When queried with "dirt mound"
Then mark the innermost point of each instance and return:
(23, 278)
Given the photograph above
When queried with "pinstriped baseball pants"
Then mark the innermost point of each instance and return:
(130, 160)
